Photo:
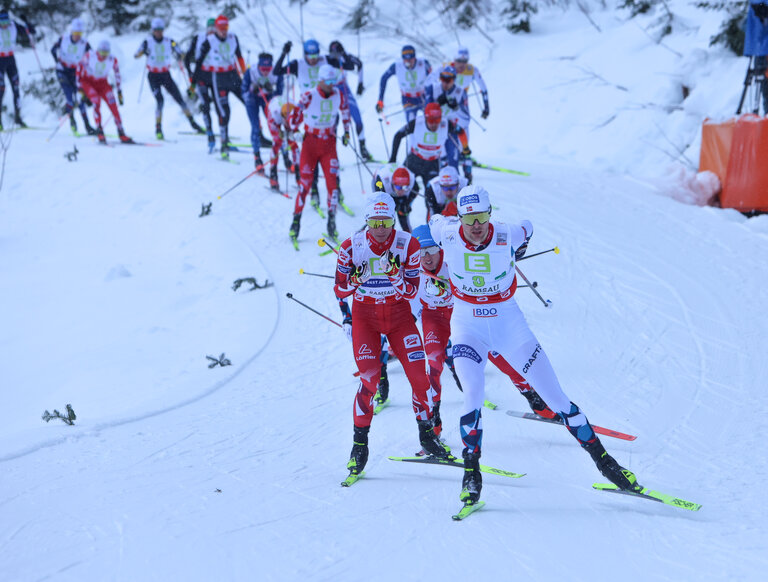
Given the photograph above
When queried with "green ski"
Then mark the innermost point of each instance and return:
(649, 494)
(316, 205)
(346, 208)
(477, 164)
(452, 461)
(489, 404)
(294, 242)
(352, 479)
(468, 509)
(381, 406)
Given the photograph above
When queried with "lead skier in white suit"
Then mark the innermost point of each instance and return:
(481, 255)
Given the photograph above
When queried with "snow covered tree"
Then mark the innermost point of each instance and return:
(517, 15)
(731, 33)
(361, 16)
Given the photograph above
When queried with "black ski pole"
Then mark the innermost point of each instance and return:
(290, 296)
(261, 167)
(384, 136)
(546, 302)
(303, 272)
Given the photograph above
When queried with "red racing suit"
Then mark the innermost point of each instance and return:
(319, 146)
(381, 306)
(92, 78)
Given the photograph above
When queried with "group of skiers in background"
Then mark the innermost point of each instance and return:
(455, 274)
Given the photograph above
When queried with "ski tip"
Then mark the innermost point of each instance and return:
(468, 510)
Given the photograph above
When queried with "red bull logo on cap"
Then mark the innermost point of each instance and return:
(380, 207)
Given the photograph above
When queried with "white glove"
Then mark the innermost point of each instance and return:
(348, 331)
(435, 288)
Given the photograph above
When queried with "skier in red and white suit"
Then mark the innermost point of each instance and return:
(320, 107)
(92, 73)
(379, 267)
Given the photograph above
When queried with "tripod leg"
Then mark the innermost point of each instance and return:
(747, 81)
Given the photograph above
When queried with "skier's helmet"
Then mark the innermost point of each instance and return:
(103, 49)
(433, 114)
(311, 48)
(462, 55)
(380, 205)
(448, 73)
(473, 199)
(401, 178)
(408, 52)
(424, 236)
(221, 23)
(77, 26)
(158, 24)
(449, 177)
(336, 49)
(329, 75)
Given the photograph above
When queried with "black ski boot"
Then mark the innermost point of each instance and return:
(259, 165)
(537, 404)
(382, 390)
(123, 138)
(100, 135)
(273, 183)
(429, 441)
(610, 469)
(436, 420)
(88, 127)
(472, 483)
(332, 232)
(18, 121)
(73, 123)
(294, 232)
(159, 131)
(364, 152)
(264, 141)
(359, 455)
(314, 197)
(193, 124)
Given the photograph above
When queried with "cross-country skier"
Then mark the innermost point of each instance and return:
(429, 133)
(217, 67)
(190, 57)
(161, 52)
(466, 76)
(320, 107)
(398, 182)
(349, 62)
(411, 75)
(453, 102)
(68, 51)
(379, 267)
(442, 190)
(434, 306)
(284, 128)
(486, 317)
(260, 85)
(93, 78)
(10, 32)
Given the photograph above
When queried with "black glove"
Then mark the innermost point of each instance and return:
(452, 103)
(520, 252)
(360, 89)
(486, 112)
(466, 152)
(287, 47)
(119, 96)
(402, 207)
(442, 100)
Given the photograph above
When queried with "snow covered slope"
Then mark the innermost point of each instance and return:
(113, 291)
